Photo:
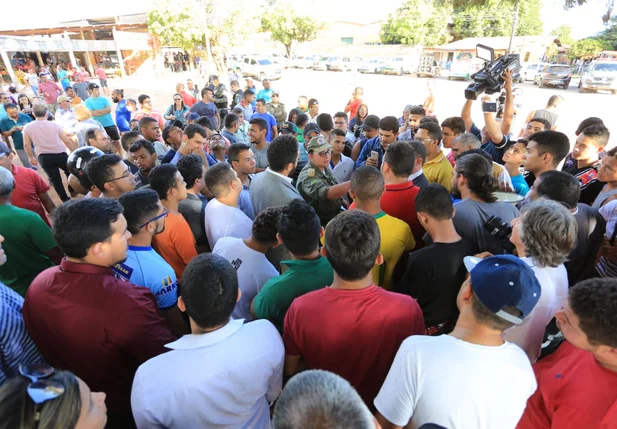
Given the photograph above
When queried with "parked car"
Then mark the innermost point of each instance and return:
(281, 60)
(530, 70)
(395, 65)
(554, 75)
(463, 69)
(339, 64)
(320, 63)
(299, 61)
(600, 75)
(372, 66)
(259, 67)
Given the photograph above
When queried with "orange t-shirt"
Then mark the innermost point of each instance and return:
(176, 244)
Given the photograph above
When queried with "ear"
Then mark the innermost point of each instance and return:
(239, 295)
(97, 249)
(385, 167)
(379, 259)
(352, 194)
(323, 252)
(466, 289)
(181, 304)
(422, 217)
(109, 186)
(322, 232)
(279, 239)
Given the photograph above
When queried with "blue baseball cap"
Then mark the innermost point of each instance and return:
(504, 281)
(192, 116)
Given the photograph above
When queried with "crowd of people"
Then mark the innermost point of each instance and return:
(225, 262)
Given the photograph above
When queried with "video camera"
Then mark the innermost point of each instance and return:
(501, 230)
(489, 79)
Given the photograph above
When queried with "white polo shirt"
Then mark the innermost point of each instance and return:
(342, 171)
(223, 379)
(222, 220)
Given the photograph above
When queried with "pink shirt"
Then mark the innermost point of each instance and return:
(50, 91)
(100, 73)
(45, 135)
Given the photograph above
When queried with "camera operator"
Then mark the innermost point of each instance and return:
(473, 182)
(495, 135)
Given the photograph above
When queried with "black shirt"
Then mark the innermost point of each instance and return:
(582, 260)
(434, 276)
(587, 177)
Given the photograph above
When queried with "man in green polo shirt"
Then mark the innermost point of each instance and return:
(28, 241)
(318, 186)
(299, 230)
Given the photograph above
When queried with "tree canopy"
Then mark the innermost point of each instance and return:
(289, 28)
(564, 34)
(417, 22)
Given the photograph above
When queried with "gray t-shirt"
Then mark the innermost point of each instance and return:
(469, 220)
(261, 156)
(81, 89)
(192, 210)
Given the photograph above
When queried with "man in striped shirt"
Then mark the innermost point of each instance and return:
(16, 346)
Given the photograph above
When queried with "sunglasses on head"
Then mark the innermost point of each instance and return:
(40, 389)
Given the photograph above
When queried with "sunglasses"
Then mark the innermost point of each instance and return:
(324, 153)
(177, 99)
(39, 389)
(155, 218)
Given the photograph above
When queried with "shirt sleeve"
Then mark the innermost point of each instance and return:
(184, 241)
(363, 155)
(396, 399)
(143, 414)
(410, 243)
(289, 338)
(39, 184)
(476, 131)
(315, 188)
(275, 384)
(40, 234)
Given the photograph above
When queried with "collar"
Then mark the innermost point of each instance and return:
(74, 267)
(198, 341)
(140, 248)
(190, 196)
(379, 215)
(286, 178)
(437, 159)
(307, 265)
(416, 174)
(400, 186)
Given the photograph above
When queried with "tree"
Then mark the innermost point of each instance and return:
(288, 28)
(417, 22)
(564, 34)
(182, 23)
(609, 35)
(529, 21)
(586, 47)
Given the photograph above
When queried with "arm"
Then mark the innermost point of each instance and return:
(275, 131)
(168, 114)
(366, 150)
(466, 115)
(47, 202)
(6, 134)
(101, 112)
(292, 364)
(68, 142)
(355, 151)
(28, 149)
(338, 191)
(508, 111)
(492, 127)
(384, 423)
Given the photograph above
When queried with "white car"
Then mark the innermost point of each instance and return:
(530, 70)
(260, 68)
(601, 75)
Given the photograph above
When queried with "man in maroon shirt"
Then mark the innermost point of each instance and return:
(399, 200)
(352, 328)
(31, 192)
(83, 318)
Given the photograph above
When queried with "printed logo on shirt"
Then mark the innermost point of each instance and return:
(587, 177)
(123, 272)
(167, 281)
(236, 263)
(167, 289)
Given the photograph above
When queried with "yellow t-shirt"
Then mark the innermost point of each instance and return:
(439, 170)
(396, 239)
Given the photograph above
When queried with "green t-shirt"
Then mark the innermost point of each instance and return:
(302, 277)
(26, 240)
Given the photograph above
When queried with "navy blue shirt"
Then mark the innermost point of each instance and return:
(373, 144)
(206, 109)
(496, 150)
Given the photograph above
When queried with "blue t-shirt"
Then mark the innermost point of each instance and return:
(145, 267)
(7, 123)
(63, 77)
(269, 119)
(123, 117)
(99, 103)
(520, 185)
(266, 94)
(206, 109)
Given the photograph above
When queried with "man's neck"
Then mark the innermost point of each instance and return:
(466, 194)
(582, 163)
(371, 207)
(336, 158)
(244, 178)
(261, 144)
(146, 110)
(171, 204)
(145, 173)
(391, 179)
(544, 169)
(432, 156)
(86, 260)
(231, 199)
(310, 257)
(339, 283)
(143, 239)
(251, 243)
(610, 186)
(196, 330)
(443, 231)
(513, 169)
(468, 330)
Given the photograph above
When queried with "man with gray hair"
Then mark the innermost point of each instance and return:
(318, 399)
(468, 141)
(28, 240)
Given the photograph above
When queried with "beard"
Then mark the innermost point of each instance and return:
(455, 192)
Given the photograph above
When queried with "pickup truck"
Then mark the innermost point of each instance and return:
(258, 67)
(600, 75)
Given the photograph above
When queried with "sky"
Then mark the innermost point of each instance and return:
(584, 20)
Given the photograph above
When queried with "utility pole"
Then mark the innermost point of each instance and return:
(514, 23)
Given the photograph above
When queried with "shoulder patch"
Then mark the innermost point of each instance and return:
(311, 172)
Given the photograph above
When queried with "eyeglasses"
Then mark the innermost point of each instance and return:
(155, 218)
(126, 175)
(274, 95)
(40, 390)
(425, 139)
(324, 153)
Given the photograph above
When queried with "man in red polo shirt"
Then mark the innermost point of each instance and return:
(351, 328)
(31, 191)
(86, 320)
(577, 385)
(399, 200)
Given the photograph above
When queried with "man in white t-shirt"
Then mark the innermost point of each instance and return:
(248, 257)
(470, 378)
(544, 235)
(223, 218)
